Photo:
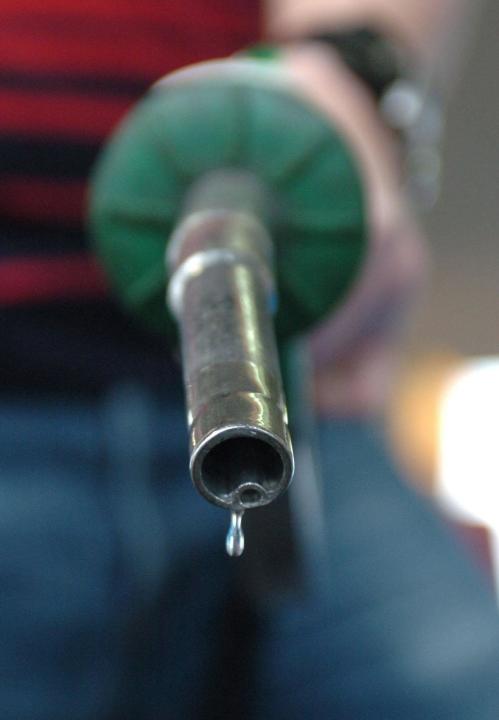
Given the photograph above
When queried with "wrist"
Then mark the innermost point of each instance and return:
(406, 105)
(321, 76)
(415, 26)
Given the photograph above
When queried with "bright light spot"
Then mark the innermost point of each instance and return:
(469, 442)
(468, 472)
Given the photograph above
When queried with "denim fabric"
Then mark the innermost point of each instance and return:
(117, 600)
(402, 626)
(111, 567)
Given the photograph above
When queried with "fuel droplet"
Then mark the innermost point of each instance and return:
(234, 543)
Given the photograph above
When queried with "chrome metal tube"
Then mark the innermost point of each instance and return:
(222, 294)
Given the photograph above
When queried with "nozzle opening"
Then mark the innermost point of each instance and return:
(238, 461)
(250, 496)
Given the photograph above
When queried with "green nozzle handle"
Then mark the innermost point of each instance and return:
(230, 114)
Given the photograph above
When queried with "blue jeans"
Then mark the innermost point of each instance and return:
(117, 600)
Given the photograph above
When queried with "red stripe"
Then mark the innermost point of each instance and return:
(121, 57)
(42, 200)
(62, 114)
(78, 48)
(225, 14)
(28, 279)
(94, 8)
(207, 21)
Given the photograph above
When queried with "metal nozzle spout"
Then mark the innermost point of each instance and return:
(222, 294)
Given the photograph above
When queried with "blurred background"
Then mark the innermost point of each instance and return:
(463, 302)
(447, 396)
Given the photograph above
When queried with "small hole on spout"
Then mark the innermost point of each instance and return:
(250, 496)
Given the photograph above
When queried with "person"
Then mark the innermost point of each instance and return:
(117, 601)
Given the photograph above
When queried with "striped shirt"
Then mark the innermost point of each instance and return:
(69, 70)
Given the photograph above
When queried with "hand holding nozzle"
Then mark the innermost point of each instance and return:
(222, 294)
(159, 183)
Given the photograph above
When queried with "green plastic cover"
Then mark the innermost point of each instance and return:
(184, 129)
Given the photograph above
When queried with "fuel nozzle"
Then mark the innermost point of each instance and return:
(222, 294)
(161, 183)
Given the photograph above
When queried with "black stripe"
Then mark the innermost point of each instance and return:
(49, 158)
(40, 239)
(81, 345)
(60, 82)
